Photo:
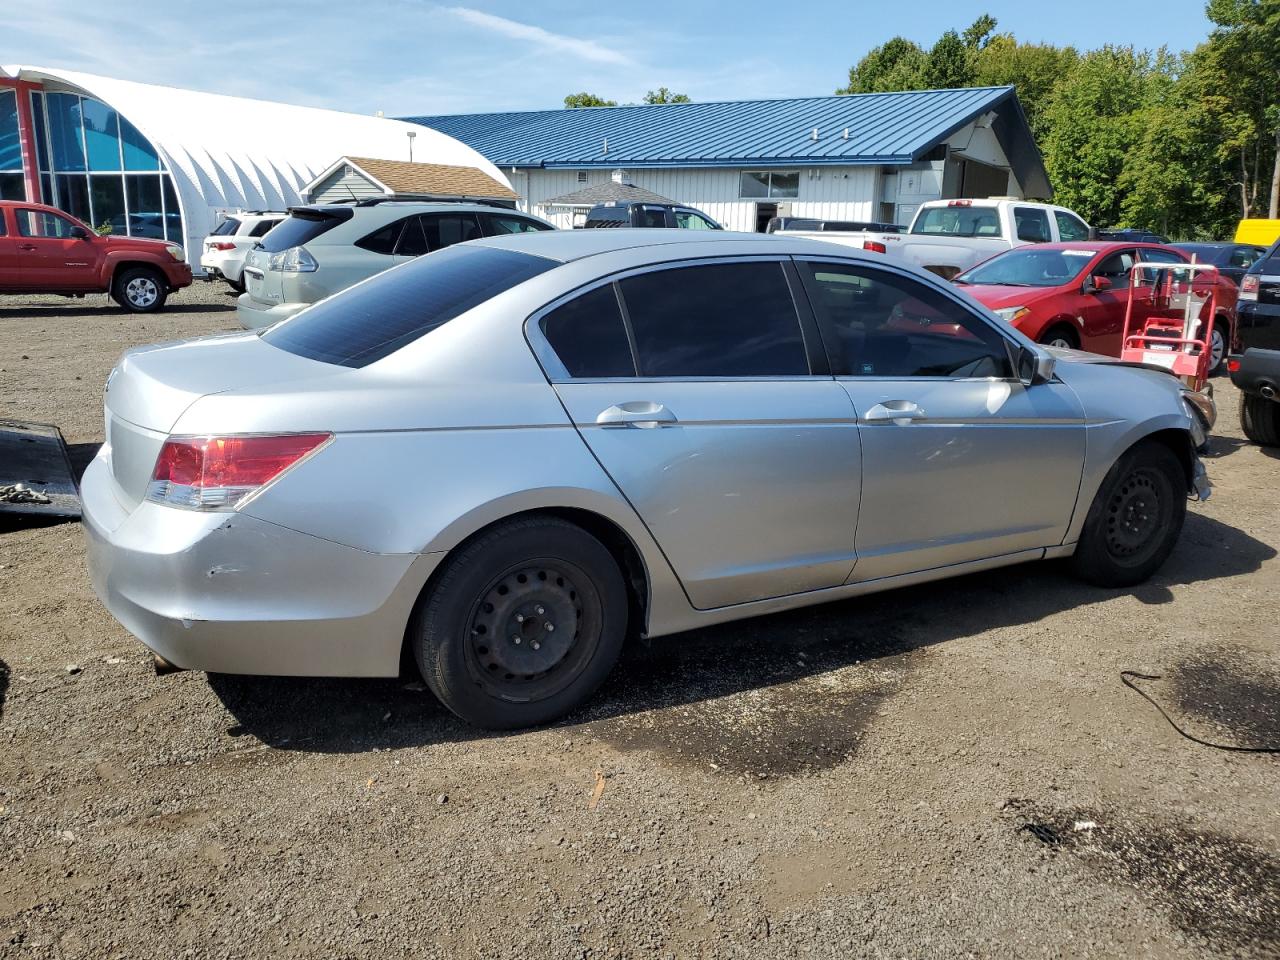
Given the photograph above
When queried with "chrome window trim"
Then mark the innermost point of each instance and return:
(555, 371)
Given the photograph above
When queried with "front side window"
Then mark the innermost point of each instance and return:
(1032, 224)
(1070, 228)
(772, 184)
(1243, 257)
(651, 217)
(589, 336)
(1116, 268)
(715, 320)
(38, 223)
(373, 320)
(880, 324)
(444, 230)
(689, 220)
(499, 225)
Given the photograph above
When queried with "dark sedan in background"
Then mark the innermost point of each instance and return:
(1231, 259)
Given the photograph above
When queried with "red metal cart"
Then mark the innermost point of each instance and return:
(1168, 321)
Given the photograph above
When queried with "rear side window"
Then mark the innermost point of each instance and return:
(260, 228)
(717, 320)
(376, 318)
(303, 226)
(383, 240)
(446, 229)
(413, 239)
(227, 227)
(691, 220)
(1032, 223)
(589, 337)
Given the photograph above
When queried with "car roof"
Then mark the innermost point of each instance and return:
(415, 206)
(1100, 246)
(568, 245)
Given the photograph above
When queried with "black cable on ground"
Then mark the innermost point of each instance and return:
(1124, 678)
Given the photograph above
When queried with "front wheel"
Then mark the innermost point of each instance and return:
(1260, 419)
(522, 624)
(1135, 519)
(1217, 350)
(139, 290)
(1062, 337)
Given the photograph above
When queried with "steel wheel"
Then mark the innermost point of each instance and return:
(142, 292)
(1133, 516)
(533, 630)
(1218, 349)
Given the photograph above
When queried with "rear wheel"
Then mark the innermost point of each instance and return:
(1135, 519)
(139, 289)
(1217, 350)
(1060, 336)
(522, 625)
(1260, 419)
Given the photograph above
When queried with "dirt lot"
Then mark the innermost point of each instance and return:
(951, 770)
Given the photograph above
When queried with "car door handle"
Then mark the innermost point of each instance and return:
(636, 413)
(894, 411)
(27, 246)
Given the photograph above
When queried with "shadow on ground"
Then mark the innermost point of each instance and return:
(676, 677)
(4, 684)
(82, 311)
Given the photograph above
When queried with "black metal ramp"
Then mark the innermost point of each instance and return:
(36, 478)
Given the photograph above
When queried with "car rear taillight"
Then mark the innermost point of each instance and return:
(216, 473)
(1249, 284)
(1233, 364)
(222, 245)
(875, 246)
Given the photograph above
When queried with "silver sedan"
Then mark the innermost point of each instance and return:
(512, 455)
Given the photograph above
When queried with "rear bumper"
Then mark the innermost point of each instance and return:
(254, 314)
(229, 593)
(222, 264)
(1259, 325)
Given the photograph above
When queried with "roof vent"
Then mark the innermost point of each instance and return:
(606, 145)
(814, 135)
(845, 135)
(623, 178)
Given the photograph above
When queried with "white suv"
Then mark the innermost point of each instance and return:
(223, 252)
(322, 249)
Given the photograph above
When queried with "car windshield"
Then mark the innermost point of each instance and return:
(1029, 267)
(376, 318)
(958, 222)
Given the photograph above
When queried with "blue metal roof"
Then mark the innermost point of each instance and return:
(873, 128)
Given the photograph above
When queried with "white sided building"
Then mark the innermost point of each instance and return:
(867, 157)
(155, 161)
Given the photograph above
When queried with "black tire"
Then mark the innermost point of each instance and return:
(1218, 348)
(236, 285)
(1135, 519)
(1060, 335)
(516, 584)
(140, 289)
(1260, 419)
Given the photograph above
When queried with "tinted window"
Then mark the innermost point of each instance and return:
(958, 222)
(303, 226)
(1032, 224)
(383, 240)
(37, 223)
(883, 325)
(689, 220)
(719, 320)
(413, 239)
(1269, 263)
(608, 217)
(498, 225)
(261, 227)
(1156, 256)
(589, 337)
(651, 217)
(225, 229)
(444, 230)
(1243, 257)
(372, 320)
(1070, 227)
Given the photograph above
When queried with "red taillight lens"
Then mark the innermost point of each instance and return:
(1250, 284)
(1233, 364)
(216, 473)
(875, 246)
(223, 245)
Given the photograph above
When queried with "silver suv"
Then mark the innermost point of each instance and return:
(322, 249)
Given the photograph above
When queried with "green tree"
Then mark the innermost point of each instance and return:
(1033, 69)
(897, 64)
(950, 63)
(587, 100)
(663, 95)
(979, 33)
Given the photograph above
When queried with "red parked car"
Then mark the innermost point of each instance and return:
(43, 250)
(1074, 294)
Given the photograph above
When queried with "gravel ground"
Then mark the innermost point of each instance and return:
(949, 770)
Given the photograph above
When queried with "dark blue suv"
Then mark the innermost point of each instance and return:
(1259, 306)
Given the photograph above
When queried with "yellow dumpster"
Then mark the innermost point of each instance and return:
(1261, 233)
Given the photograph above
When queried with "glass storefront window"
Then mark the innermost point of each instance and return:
(73, 195)
(65, 130)
(780, 186)
(10, 145)
(138, 152)
(101, 135)
(42, 136)
(146, 216)
(172, 214)
(107, 195)
(12, 187)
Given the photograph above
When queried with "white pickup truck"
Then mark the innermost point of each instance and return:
(949, 236)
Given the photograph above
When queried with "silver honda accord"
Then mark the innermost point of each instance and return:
(507, 457)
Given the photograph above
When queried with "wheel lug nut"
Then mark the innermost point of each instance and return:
(540, 611)
(515, 639)
(549, 626)
(519, 618)
(536, 645)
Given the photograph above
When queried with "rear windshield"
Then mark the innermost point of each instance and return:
(608, 216)
(302, 226)
(227, 227)
(375, 319)
(958, 222)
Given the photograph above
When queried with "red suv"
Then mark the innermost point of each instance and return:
(1075, 294)
(43, 250)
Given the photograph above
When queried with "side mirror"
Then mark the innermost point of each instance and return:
(1034, 366)
(1096, 284)
(79, 233)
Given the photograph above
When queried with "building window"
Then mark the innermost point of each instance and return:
(582, 176)
(770, 185)
(12, 185)
(98, 167)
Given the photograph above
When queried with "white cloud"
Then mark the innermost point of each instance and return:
(586, 49)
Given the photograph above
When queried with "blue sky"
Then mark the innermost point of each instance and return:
(409, 56)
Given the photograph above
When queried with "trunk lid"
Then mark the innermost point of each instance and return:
(262, 283)
(152, 387)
